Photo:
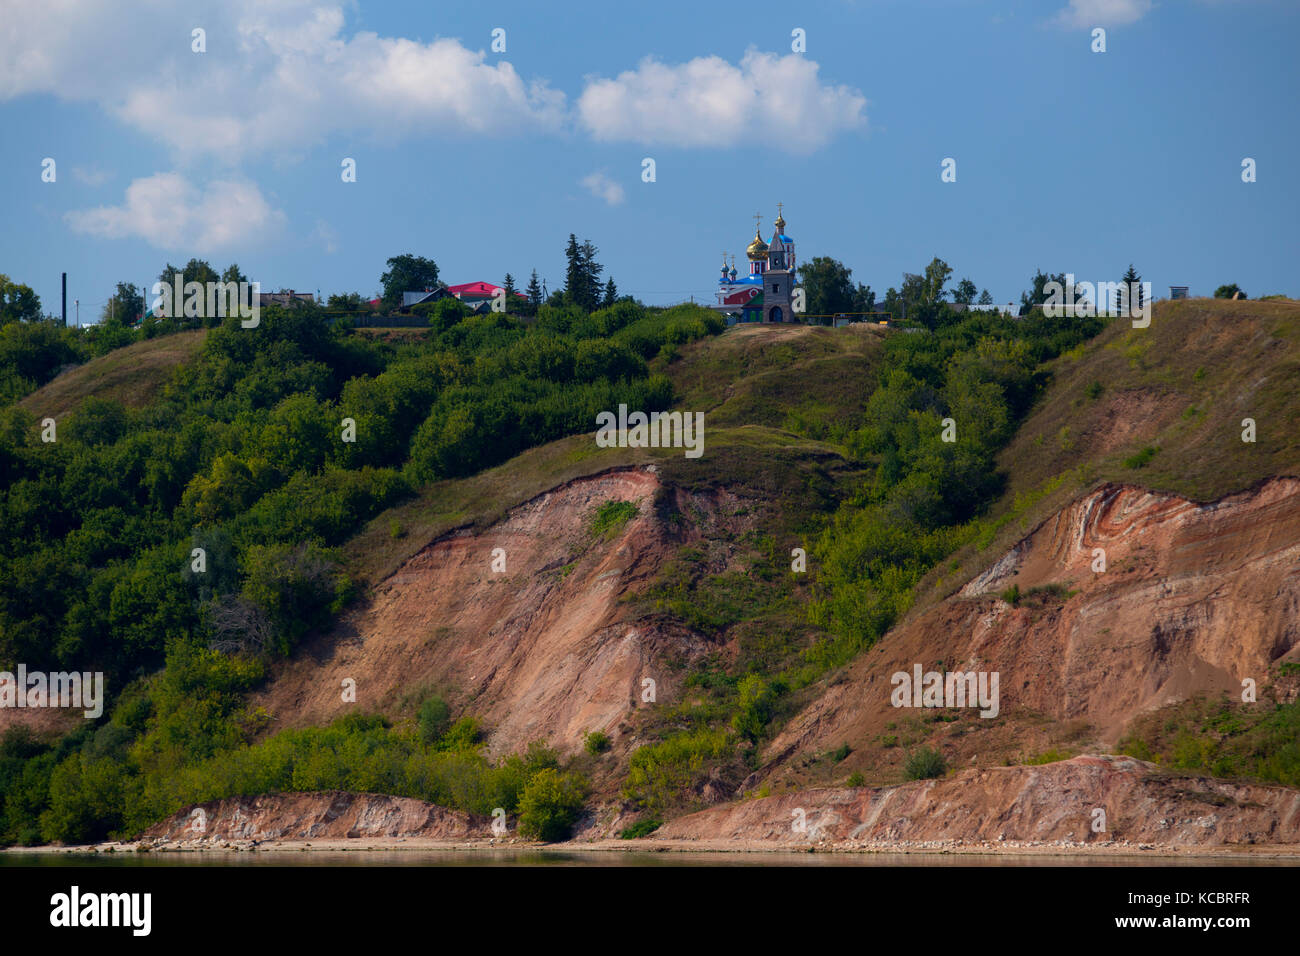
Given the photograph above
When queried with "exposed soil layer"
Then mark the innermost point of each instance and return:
(1193, 598)
(1049, 803)
(316, 816)
(545, 650)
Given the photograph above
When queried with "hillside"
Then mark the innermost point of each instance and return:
(1066, 681)
(1201, 543)
(767, 591)
(556, 646)
(132, 375)
(1181, 387)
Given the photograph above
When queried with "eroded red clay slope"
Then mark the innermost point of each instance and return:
(544, 651)
(1194, 598)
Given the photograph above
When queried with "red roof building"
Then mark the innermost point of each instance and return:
(472, 292)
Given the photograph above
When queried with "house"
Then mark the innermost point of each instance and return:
(285, 297)
(474, 294)
(425, 295)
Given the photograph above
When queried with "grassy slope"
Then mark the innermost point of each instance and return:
(1181, 386)
(746, 381)
(131, 375)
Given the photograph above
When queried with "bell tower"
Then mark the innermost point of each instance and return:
(779, 276)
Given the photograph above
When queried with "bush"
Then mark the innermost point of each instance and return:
(610, 517)
(640, 829)
(856, 779)
(840, 752)
(433, 720)
(550, 804)
(660, 775)
(924, 764)
(596, 742)
(1141, 459)
(1094, 390)
(1012, 595)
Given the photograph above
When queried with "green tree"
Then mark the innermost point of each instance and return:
(433, 720)
(346, 302)
(965, 292)
(592, 270)
(534, 290)
(1134, 281)
(550, 804)
(864, 300)
(407, 273)
(509, 286)
(18, 303)
(985, 298)
(582, 274)
(611, 294)
(935, 278)
(893, 303)
(124, 307)
(1037, 294)
(1228, 291)
(827, 287)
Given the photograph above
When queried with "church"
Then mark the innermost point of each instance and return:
(766, 294)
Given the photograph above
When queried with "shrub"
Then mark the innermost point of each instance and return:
(1141, 459)
(596, 742)
(433, 720)
(925, 763)
(840, 752)
(1094, 389)
(856, 779)
(611, 516)
(659, 775)
(640, 829)
(550, 804)
(1012, 595)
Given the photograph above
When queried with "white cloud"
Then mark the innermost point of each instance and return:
(602, 187)
(91, 176)
(278, 75)
(170, 212)
(1103, 13)
(771, 99)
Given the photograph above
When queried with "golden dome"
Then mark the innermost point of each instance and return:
(780, 225)
(757, 249)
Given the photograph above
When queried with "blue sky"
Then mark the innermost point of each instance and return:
(1068, 160)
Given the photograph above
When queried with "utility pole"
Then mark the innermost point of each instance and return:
(77, 302)
(65, 300)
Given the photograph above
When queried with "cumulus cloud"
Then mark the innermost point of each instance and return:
(170, 212)
(1103, 13)
(602, 187)
(712, 103)
(278, 75)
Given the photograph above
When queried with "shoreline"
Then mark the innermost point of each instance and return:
(1074, 851)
